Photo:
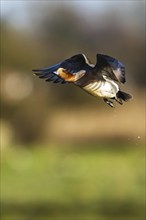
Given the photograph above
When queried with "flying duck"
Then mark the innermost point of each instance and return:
(99, 80)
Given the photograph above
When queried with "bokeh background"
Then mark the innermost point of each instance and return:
(65, 154)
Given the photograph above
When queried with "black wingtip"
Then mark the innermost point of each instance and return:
(46, 74)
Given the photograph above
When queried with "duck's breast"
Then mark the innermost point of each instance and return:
(102, 88)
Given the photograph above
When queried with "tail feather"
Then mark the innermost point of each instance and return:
(123, 95)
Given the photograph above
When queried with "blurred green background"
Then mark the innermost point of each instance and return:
(65, 154)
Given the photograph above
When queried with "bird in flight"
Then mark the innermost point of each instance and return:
(99, 80)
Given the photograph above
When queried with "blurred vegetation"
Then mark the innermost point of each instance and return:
(27, 103)
(43, 183)
(65, 154)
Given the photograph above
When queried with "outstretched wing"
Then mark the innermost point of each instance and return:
(49, 73)
(69, 70)
(118, 69)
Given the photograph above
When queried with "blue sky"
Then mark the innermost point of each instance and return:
(16, 11)
(20, 5)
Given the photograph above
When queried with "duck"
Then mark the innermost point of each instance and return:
(102, 79)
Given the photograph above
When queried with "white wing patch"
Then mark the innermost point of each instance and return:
(88, 61)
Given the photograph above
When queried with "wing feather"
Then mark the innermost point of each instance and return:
(49, 73)
(73, 66)
(118, 69)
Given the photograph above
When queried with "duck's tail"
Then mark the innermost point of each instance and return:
(123, 96)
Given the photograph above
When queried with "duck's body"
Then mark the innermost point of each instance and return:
(100, 80)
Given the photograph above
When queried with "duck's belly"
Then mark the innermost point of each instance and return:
(102, 89)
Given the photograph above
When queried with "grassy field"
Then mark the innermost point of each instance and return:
(58, 183)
